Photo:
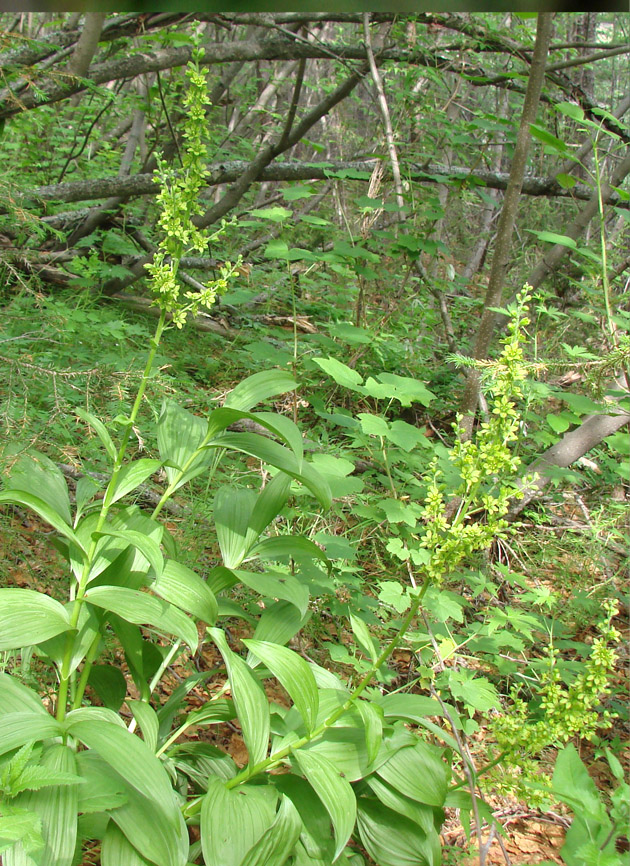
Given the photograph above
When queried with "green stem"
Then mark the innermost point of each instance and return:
(277, 757)
(62, 698)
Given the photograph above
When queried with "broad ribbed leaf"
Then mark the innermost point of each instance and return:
(286, 429)
(232, 510)
(109, 683)
(250, 700)
(364, 638)
(282, 546)
(161, 836)
(45, 511)
(16, 697)
(277, 455)
(143, 609)
(179, 435)
(147, 546)
(116, 850)
(19, 728)
(181, 586)
(334, 791)
(221, 578)
(232, 821)
(36, 474)
(316, 835)
(269, 503)
(57, 807)
(103, 789)
(372, 716)
(293, 674)
(100, 429)
(391, 839)
(417, 772)
(87, 629)
(133, 475)
(276, 843)
(28, 618)
(129, 756)
(259, 387)
(343, 375)
(277, 584)
(409, 708)
(279, 623)
(146, 717)
(420, 813)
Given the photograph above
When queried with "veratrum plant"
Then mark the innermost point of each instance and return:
(337, 768)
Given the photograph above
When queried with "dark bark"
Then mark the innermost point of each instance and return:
(229, 171)
(507, 221)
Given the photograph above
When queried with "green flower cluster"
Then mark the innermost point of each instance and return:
(485, 466)
(179, 203)
(564, 712)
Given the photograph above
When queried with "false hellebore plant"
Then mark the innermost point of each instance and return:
(339, 765)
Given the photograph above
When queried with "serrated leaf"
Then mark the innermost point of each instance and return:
(56, 807)
(294, 675)
(250, 700)
(28, 617)
(141, 608)
(334, 791)
(232, 821)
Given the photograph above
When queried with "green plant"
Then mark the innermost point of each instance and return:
(354, 773)
(599, 822)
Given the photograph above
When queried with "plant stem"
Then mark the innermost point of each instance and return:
(248, 772)
(62, 697)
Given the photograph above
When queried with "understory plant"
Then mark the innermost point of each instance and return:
(331, 770)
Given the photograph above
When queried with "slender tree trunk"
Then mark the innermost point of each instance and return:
(86, 47)
(507, 219)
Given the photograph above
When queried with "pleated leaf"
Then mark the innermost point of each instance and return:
(232, 510)
(117, 850)
(133, 475)
(45, 511)
(294, 675)
(417, 772)
(36, 474)
(162, 838)
(141, 608)
(277, 843)
(277, 584)
(232, 821)
(279, 623)
(16, 697)
(19, 728)
(100, 429)
(184, 588)
(269, 503)
(259, 387)
(147, 546)
(28, 617)
(334, 791)
(251, 702)
(282, 458)
(391, 839)
(179, 435)
(147, 719)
